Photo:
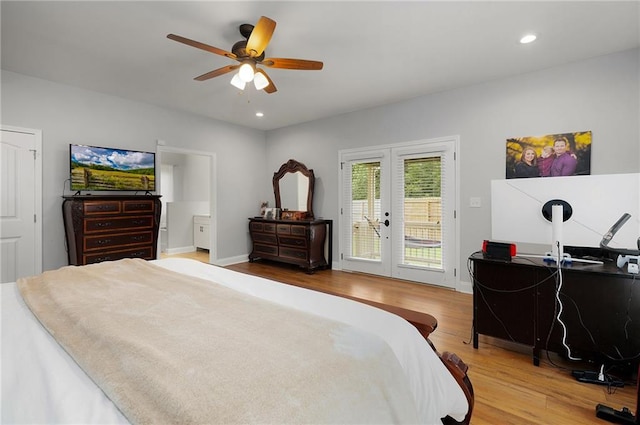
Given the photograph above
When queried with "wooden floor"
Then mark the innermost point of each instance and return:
(509, 389)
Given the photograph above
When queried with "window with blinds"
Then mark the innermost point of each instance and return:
(420, 181)
(365, 210)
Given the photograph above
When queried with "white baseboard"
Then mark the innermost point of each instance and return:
(181, 250)
(465, 287)
(223, 262)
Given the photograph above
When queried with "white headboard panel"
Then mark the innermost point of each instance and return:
(598, 201)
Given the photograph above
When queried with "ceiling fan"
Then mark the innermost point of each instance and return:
(250, 53)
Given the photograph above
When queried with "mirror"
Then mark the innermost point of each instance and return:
(293, 187)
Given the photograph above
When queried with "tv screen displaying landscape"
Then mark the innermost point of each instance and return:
(96, 169)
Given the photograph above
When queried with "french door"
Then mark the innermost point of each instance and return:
(398, 211)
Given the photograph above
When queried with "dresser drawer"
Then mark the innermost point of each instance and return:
(142, 206)
(284, 229)
(265, 249)
(265, 238)
(101, 207)
(298, 230)
(299, 254)
(263, 227)
(117, 223)
(91, 243)
(291, 241)
(141, 252)
(292, 229)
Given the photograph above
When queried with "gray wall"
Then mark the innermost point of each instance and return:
(601, 95)
(70, 115)
(189, 171)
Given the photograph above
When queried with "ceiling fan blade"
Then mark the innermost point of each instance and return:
(300, 64)
(271, 88)
(202, 46)
(216, 72)
(260, 36)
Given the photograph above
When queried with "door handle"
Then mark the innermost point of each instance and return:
(386, 223)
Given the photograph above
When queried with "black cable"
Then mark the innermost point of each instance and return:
(629, 320)
(488, 305)
(493, 313)
(596, 346)
(66, 245)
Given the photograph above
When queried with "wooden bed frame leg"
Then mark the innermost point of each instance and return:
(458, 369)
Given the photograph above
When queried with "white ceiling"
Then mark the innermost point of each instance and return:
(374, 53)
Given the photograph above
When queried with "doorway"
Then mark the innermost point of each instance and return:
(187, 186)
(398, 211)
(20, 203)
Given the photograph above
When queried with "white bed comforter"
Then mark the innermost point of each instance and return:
(42, 384)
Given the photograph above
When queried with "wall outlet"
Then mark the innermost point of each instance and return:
(475, 202)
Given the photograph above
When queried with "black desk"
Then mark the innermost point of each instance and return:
(517, 301)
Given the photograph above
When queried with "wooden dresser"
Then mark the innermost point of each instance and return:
(300, 242)
(110, 227)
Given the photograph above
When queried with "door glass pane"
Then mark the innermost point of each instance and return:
(365, 210)
(423, 212)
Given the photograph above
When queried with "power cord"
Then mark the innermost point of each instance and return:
(560, 309)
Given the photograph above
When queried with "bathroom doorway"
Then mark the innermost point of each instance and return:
(187, 186)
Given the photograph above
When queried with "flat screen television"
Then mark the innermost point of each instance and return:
(94, 168)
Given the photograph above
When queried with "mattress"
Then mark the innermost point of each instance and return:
(41, 383)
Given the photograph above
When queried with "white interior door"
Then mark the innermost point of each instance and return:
(398, 211)
(20, 204)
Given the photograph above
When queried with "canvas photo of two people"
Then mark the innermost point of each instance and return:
(553, 155)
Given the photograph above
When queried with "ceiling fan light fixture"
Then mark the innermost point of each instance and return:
(260, 81)
(236, 81)
(529, 38)
(246, 72)
(250, 53)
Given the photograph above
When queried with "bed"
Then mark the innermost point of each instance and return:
(179, 341)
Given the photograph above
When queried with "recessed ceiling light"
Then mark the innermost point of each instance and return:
(259, 114)
(528, 38)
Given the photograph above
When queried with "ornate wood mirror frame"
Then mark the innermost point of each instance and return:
(293, 166)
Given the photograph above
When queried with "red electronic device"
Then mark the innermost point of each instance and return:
(498, 250)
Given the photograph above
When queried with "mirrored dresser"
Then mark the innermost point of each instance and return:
(293, 235)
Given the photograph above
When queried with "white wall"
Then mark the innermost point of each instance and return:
(180, 224)
(601, 95)
(70, 115)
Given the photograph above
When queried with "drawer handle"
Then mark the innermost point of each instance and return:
(104, 241)
(139, 222)
(137, 238)
(104, 224)
(101, 259)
